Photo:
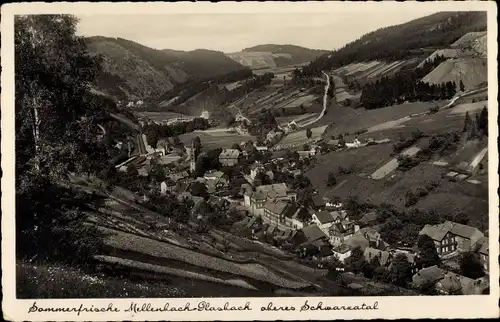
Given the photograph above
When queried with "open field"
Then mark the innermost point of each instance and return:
(347, 120)
(214, 140)
(287, 119)
(299, 137)
(470, 107)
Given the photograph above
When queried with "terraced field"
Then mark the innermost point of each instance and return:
(133, 244)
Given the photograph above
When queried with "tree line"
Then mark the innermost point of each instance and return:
(407, 86)
(154, 131)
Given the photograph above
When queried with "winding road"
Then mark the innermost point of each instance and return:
(327, 87)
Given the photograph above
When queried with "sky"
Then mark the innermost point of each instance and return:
(233, 32)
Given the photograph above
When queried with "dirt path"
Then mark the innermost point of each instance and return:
(325, 99)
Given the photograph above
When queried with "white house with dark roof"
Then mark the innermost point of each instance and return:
(450, 237)
(324, 220)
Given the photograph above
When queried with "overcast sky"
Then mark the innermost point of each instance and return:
(233, 32)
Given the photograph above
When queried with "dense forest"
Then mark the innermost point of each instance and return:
(402, 41)
(406, 86)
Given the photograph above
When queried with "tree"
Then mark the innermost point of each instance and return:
(462, 86)
(467, 122)
(197, 144)
(356, 261)
(54, 114)
(409, 233)
(400, 272)
(308, 133)
(483, 121)
(470, 265)
(427, 253)
(331, 180)
(199, 189)
(236, 146)
(306, 147)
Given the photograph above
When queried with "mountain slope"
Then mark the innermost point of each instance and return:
(416, 38)
(133, 71)
(203, 63)
(270, 55)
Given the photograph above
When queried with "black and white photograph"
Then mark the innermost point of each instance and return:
(271, 156)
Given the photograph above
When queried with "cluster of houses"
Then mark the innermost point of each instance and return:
(324, 230)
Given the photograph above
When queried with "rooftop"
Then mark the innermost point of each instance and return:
(428, 275)
(438, 232)
(276, 207)
(277, 190)
(312, 233)
(324, 217)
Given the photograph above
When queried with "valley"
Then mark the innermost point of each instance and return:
(273, 171)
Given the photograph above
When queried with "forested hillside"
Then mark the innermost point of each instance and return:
(413, 39)
(271, 56)
(132, 71)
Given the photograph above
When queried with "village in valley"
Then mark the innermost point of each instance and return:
(330, 176)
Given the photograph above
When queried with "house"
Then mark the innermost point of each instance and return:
(483, 251)
(178, 176)
(450, 237)
(342, 252)
(254, 200)
(427, 276)
(188, 196)
(357, 240)
(213, 175)
(283, 214)
(374, 238)
(306, 154)
(453, 284)
(309, 234)
(323, 219)
(261, 148)
(229, 157)
(340, 216)
(214, 186)
(318, 203)
(339, 232)
(384, 257)
(219, 204)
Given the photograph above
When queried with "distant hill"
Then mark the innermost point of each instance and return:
(133, 71)
(412, 39)
(270, 55)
